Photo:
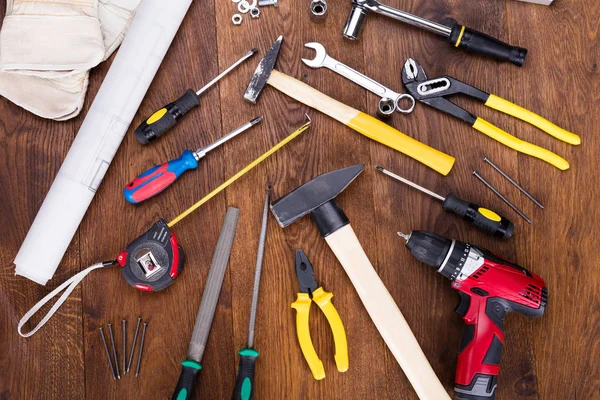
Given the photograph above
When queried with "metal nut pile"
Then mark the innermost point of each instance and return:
(244, 7)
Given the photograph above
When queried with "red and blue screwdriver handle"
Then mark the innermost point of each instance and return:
(158, 178)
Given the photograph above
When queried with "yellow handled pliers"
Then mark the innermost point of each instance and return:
(309, 292)
(433, 91)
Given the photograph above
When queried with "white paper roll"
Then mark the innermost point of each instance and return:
(99, 137)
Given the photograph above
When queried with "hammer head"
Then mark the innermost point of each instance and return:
(263, 72)
(316, 197)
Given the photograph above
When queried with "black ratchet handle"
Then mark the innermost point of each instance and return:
(478, 42)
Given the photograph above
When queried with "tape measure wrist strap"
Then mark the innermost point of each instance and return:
(68, 286)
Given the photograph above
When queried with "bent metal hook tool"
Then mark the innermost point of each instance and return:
(390, 100)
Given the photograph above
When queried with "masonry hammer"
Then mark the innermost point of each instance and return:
(357, 120)
(317, 197)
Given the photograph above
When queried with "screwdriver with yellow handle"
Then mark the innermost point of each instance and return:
(482, 218)
(165, 118)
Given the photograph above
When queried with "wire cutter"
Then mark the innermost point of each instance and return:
(310, 291)
(433, 92)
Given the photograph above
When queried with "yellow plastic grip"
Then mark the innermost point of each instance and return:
(498, 103)
(385, 134)
(520, 145)
(302, 307)
(323, 300)
(489, 214)
(156, 116)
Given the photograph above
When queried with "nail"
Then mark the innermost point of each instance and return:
(107, 354)
(139, 360)
(114, 349)
(137, 327)
(493, 189)
(511, 180)
(124, 346)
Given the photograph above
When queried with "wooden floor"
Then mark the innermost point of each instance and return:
(551, 358)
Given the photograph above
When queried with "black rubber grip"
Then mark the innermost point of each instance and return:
(244, 382)
(148, 132)
(187, 380)
(477, 42)
(502, 228)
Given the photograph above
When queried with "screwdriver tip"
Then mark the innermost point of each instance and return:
(403, 236)
(378, 168)
(256, 120)
(254, 50)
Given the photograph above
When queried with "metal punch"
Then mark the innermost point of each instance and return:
(389, 99)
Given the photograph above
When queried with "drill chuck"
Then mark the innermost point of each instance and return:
(445, 255)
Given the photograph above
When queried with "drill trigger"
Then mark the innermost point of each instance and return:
(464, 304)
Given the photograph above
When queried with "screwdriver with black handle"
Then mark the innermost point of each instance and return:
(165, 118)
(482, 218)
(244, 381)
(160, 177)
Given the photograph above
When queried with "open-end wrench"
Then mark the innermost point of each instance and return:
(389, 99)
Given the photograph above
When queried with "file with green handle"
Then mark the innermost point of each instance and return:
(191, 365)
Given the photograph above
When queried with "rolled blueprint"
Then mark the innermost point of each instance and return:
(99, 137)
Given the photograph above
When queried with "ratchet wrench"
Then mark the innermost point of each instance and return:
(389, 99)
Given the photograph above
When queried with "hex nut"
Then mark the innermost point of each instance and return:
(236, 19)
(318, 10)
(255, 12)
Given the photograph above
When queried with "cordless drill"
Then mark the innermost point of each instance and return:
(489, 287)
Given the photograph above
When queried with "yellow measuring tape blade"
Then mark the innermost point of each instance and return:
(239, 174)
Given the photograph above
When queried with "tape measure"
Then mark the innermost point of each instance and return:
(152, 261)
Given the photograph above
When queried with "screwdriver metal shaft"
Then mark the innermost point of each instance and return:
(201, 152)
(409, 183)
(222, 74)
(502, 197)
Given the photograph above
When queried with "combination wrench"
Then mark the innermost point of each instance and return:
(390, 100)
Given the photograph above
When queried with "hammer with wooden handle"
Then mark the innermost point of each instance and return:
(317, 198)
(357, 120)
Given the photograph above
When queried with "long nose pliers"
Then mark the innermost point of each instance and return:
(433, 92)
(309, 292)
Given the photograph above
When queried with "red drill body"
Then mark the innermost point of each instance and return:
(489, 287)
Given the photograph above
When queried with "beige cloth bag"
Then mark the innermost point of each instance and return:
(48, 46)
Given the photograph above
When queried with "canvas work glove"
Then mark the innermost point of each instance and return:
(48, 46)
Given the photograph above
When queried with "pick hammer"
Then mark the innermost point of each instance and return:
(317, 197)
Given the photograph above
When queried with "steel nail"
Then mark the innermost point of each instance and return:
(504, 199)
(139, 360)
(114, 349)
(137, 327)
(124, 355)
(511, 180)
(107, 354)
